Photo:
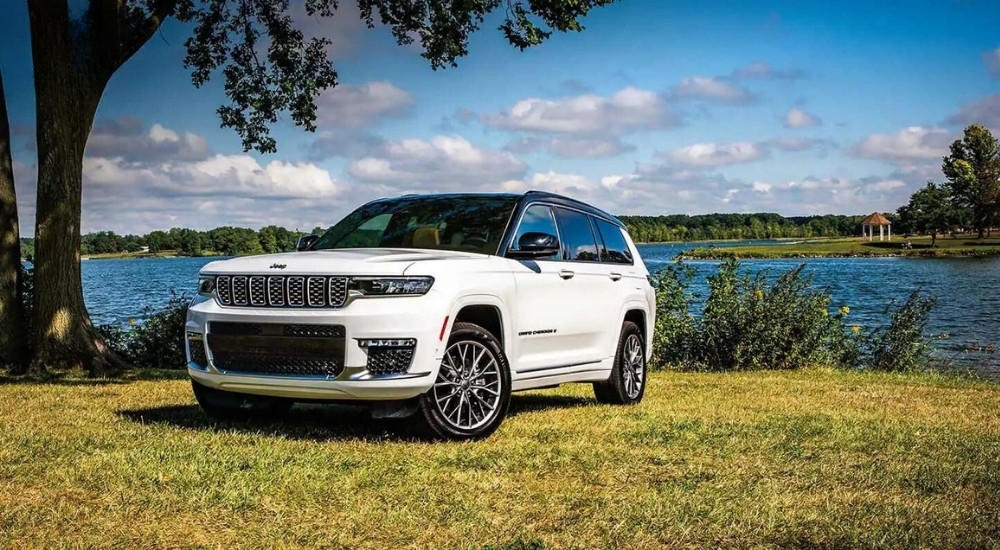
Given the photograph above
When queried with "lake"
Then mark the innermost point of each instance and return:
(968, 308)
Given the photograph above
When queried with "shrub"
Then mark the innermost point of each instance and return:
(902, 346)
(157, 341)
(672, 334)
(748, 324)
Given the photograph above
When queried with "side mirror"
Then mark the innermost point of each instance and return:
(535, 245)
(305, 242)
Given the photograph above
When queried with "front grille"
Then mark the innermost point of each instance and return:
(389, 360)
(281, 291)
(277, 363)
(277, 348)
(276, 329)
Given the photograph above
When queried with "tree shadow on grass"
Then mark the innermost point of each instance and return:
(334, 422)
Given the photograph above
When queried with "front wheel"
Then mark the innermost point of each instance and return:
(627, 382)
(226, 405)
(471, 393)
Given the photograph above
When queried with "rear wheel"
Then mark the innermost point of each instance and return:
(627, 382)
(471, 394)
(225, 405)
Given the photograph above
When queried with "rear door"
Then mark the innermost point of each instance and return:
(627, 278)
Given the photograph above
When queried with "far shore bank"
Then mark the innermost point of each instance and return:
(912, 247)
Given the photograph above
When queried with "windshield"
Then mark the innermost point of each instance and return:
(472, 223)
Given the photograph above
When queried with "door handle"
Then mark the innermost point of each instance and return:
(616, 276)
(566, 274)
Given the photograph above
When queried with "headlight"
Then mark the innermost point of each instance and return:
(206, 285)
(386, 286)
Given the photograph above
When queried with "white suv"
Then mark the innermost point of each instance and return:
(442, 303)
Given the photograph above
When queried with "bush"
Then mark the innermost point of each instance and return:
(672, 334)
(155, 342)
(902, 346)
(748, 323)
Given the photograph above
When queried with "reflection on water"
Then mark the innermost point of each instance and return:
(968, 308)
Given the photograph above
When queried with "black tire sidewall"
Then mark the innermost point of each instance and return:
(613, 390)
(629, 328)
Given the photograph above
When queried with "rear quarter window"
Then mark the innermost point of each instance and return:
(616, 249)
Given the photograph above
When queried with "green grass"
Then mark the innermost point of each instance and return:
(854, 247)
(811, 458)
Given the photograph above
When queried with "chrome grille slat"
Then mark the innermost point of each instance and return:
(338, 291)
(258, 295)
(291, 291)
(240, 290)
(224, 290)
(296, 291)
(316, 291)
(276, 291)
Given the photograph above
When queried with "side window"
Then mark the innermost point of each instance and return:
(577, 236)
(614, 242)
(537, 218)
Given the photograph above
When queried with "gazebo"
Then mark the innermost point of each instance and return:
(868, 226)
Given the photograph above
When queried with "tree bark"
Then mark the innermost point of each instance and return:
(13, 336)
(69, 82)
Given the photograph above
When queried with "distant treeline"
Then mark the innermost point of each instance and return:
(681, 227)
(226, 241)
(241, 241)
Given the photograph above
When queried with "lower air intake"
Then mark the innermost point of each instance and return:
(389, 360)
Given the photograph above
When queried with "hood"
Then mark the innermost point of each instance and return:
(353, 261)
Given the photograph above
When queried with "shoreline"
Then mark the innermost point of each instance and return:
(914, 247)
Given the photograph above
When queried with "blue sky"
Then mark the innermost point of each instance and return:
(657, 107)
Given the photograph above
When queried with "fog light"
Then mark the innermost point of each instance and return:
(388, 355)
(196, 349)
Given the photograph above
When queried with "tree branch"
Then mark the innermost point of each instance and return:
(158, 12)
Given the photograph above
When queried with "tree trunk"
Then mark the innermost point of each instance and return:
(933, 238)
(13, 337)
(68, 88)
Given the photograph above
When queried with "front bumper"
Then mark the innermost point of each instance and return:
(409, 317)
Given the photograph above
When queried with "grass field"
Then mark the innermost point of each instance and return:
(853, 247)
(772, 459)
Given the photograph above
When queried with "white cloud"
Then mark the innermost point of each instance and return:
(444, 162)
(569, 146)
(126, 138)
(909, 145)
(348, 106)
(345, 29)
(227, 176)
(627, 110)
(761, 187)
(886, 185)
(708, 155)
(798, 118)
(992, 60)
(985, 111)
(712, 89)
(798, 144)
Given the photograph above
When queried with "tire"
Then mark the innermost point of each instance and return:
(224, 405)
(627, 382)
(462, 404)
